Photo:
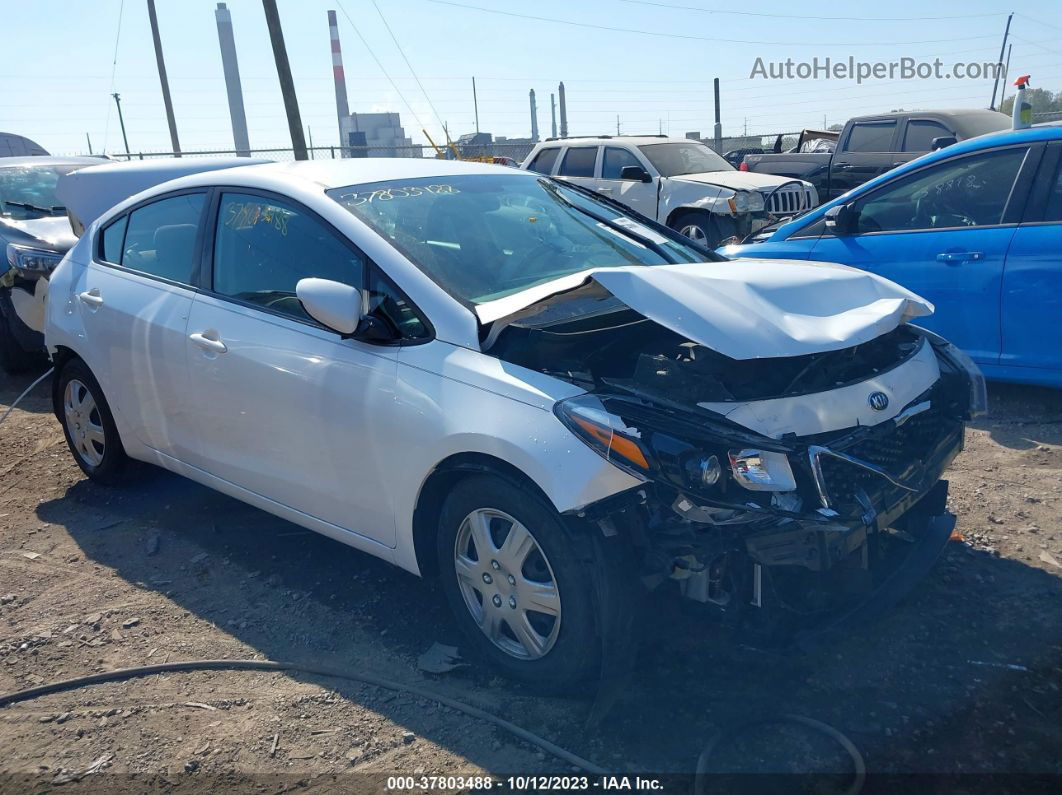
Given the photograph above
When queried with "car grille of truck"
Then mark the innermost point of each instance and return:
(788, 201)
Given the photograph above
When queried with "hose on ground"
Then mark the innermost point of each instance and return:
(318, 670)
(26, 392)
(700, 778)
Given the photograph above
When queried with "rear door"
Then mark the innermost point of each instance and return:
(867, 150)
(1032, 281)
(134, 299)
(943, 232)
(286, 408)
(639, 196)
(579, 165)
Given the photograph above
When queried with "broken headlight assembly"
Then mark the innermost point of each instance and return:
(645, 451)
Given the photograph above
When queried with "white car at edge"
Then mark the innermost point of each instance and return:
(679, 182)
(496, 378)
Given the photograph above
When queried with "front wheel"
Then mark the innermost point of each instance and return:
(699, 227)
(518, 590)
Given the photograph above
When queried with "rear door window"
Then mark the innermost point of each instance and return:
(579, 161)
(113, 238)
(160, 238)
(544, 160)
(871, 136)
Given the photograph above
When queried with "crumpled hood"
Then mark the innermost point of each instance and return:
(735, 180)
(752, 309)
(53, 232)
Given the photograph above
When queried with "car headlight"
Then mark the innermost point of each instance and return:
(36, 260)
(755, 201)
(648, 453)
(739, 202)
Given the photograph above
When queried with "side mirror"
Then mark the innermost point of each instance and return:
(635, 174)
(842, 219)
(336, 305)
(941, 142)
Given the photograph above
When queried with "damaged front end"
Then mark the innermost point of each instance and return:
(773, 489)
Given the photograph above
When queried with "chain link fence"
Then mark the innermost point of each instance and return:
(507, 153)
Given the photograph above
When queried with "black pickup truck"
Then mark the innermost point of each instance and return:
(871, 145)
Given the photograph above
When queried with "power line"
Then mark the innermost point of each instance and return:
(690, 37)
(382, 69)
(402, 52)
(735, 12)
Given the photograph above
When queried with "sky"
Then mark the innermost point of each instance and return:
(649, 62)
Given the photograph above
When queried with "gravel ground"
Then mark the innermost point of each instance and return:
(964, 677)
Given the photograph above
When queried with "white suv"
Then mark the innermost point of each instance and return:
(500, 379)
(678, 182)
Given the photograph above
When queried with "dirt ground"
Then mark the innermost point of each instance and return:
(964, 677)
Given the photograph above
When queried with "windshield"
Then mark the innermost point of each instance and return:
(29, 191)
(673, 160)
(485, 236)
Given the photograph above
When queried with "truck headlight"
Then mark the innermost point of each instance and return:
(755, 201)
(34, 260)
(739, 202)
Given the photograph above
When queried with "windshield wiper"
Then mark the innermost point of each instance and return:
(653, 246)
(35, 207)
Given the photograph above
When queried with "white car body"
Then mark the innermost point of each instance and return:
(759, 197)
(343, 436)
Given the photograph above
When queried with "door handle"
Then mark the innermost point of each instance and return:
(207, 344)
(604, 190)
(91, 298)
(956, 257)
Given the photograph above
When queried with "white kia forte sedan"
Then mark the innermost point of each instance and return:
(549, 402)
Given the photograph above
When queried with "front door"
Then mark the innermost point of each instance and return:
(288, 409)
(639, 196)
(943, 233)
(134, 299)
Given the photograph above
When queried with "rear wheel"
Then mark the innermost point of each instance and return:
(515, 584)
(89, 425)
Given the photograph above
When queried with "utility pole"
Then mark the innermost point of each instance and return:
(309, 134)
(287, 85)
(1002, 49)
(121, 121)
(717, 132)
(162, 78)
(1003, 95)
(475, 103)
(617, 125)
(87, 138)
(553, 114)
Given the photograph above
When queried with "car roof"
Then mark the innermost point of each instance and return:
(51, 160)
(634, 140)
(357, 170)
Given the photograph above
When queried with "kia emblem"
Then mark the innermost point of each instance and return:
(878, 401)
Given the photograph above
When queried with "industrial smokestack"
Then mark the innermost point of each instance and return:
(534, 117)
(342, 110)
(563, 112)
(553, 114)
(233, 88)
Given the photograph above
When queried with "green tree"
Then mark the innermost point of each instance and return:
(1042, 101)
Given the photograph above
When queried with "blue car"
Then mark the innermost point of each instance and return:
(975, 228)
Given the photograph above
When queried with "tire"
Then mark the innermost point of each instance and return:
(700, 227)
(89, 425)
(13, 357)
(566, 647)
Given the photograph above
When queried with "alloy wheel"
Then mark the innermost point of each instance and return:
(84, 423)
(507, 584)
(694, 233)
